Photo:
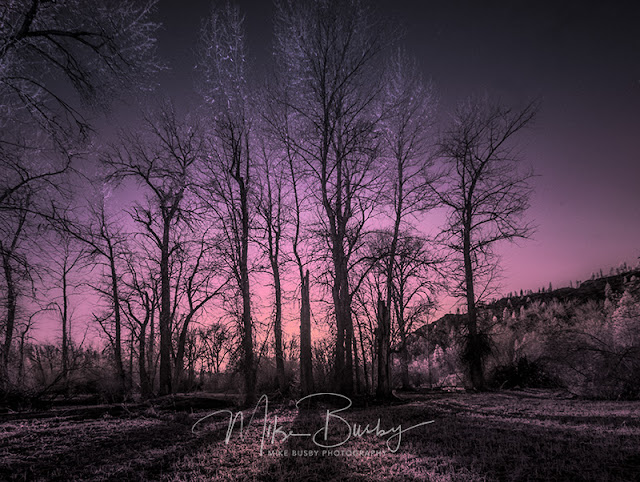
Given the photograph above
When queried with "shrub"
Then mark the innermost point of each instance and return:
(522, 374)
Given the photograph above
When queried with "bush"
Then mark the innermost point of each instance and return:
(16, 398)
(522, 374)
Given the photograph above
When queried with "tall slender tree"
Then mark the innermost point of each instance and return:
(141, 299)
(108, 244)
(409, 109)
(15, 266)
(163, 160)
(272, 213)
(487, 195)
(329, 53)
(230, 165)
(277, 118)
(66, 258)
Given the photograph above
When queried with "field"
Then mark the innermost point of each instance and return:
(519, 435)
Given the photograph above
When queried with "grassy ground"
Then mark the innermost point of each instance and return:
(498, 436)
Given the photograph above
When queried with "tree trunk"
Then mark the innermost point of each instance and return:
(476, 372)
(21, 365)
(348, 343)
(383, 338)
(132, 339)
(145, 385)
(306, 364)
(151, 366)
(247, 341)
(11, 304)
(356, 365)
(344, 323)
(65, 335)
(339, 354)
(117, 320)
(404, 352)
(367, 385)
(182, 342)
(165, 314)
(278, 324)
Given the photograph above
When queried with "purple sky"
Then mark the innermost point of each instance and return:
(583, 62)
(585, 146)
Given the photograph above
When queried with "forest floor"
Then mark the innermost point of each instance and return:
(507, 435)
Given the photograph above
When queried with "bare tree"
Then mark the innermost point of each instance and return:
(230, 167)
(201, 282)
(277, 117)
(329, 54)
(413, 293)
(25, 205)
(15, 266)
(487, 196)
(408, 115)
(365, 315)
(141, 303)
(272, 213)
(108, 246)
(65, 258)
(32, 182)
(413, 285)
(25, 337)
(162, 159)
(306, 360)
(97, 49)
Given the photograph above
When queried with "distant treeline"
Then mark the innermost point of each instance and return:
(585, 339)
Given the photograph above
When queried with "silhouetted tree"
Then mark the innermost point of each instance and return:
(99, 50)
(487, 196)
(200, 281)
(107, 242)
(65, 257)
(142, 300)
(277, 118)
(408, 114)
(45, 47)
(272, 213)
(230, 162)
(162, 159)
(15, 266)
(413, 300)
(25, 208)
(330, 57)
